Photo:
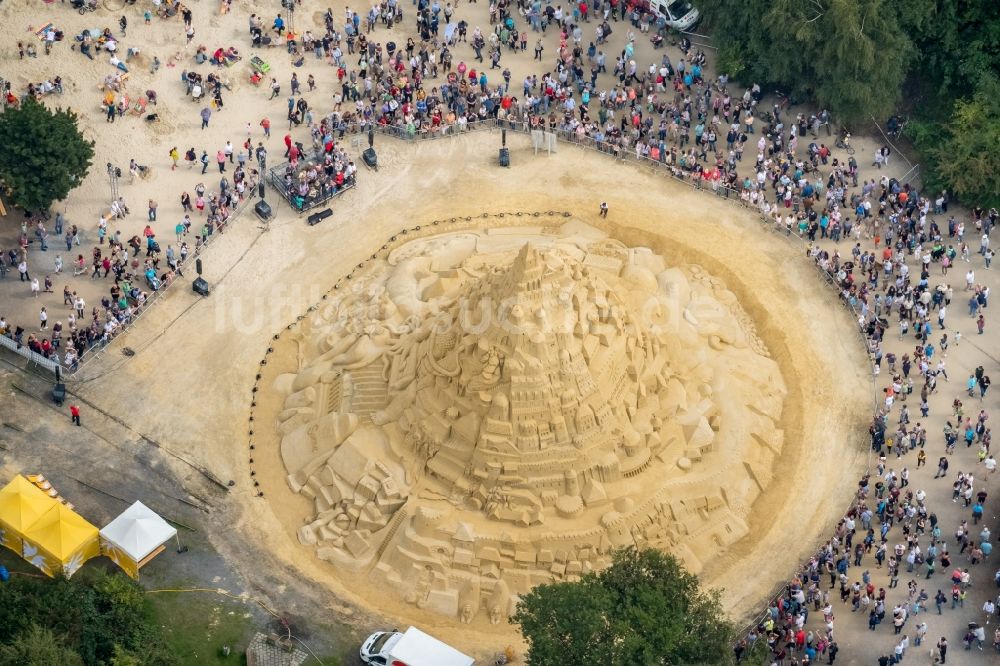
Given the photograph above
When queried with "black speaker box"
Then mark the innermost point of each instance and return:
(316, 218)
(263, 210)
(200, 286)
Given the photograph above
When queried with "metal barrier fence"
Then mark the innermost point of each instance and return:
(99, 347)
(276, 177)
(33, 357)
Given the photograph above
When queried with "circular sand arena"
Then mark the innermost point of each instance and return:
(268, 294)
(492, 402)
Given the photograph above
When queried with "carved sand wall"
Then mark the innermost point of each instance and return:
(483, 411)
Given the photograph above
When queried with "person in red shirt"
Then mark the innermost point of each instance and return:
(74, 411)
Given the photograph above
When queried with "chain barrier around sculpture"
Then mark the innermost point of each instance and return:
(720, 190)
(616, 152)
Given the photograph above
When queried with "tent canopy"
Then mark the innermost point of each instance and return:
(138, 531)
(61, 532)
(22, 503)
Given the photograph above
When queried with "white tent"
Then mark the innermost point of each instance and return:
(135, 537)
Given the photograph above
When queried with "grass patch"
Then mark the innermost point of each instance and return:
(328, 660)
(196, 625)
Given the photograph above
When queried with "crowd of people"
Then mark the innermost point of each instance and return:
(890, 521)
(894, 274)
(136, 267)
(306, 181)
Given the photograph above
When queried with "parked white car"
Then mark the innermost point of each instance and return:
(679, 14)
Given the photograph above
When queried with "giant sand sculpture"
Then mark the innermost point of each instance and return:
(483, 411)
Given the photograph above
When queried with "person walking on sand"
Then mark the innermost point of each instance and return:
(74, 412)
(942, 648)
(206, 115)
(604, 209)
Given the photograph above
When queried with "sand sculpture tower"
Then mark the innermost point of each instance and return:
(484, 412)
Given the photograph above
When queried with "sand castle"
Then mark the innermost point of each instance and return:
(484, 411)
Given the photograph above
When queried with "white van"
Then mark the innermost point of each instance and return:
(413, 648)
(680, 14)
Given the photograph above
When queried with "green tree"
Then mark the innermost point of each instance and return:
(43, 154)
(849, 56)
(937, 61)
(645, 609)
(855, 52)
(958, 42)
(122, 657)
(37, 646)
(106, 620)
(741, 37)
(962, 154)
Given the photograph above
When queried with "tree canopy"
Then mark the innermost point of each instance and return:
(935, 60)
(833, 52)
(43, 155)
(645, 609)
(69, 622)
(962, 153)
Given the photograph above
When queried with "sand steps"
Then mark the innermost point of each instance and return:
(370, 390)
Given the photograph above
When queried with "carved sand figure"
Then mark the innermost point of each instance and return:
(518, 405)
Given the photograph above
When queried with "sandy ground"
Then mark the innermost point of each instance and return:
(190, 384)
(193, 382)
(180, 125)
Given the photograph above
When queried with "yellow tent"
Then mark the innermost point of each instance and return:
(60, 541)
(21, 504)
